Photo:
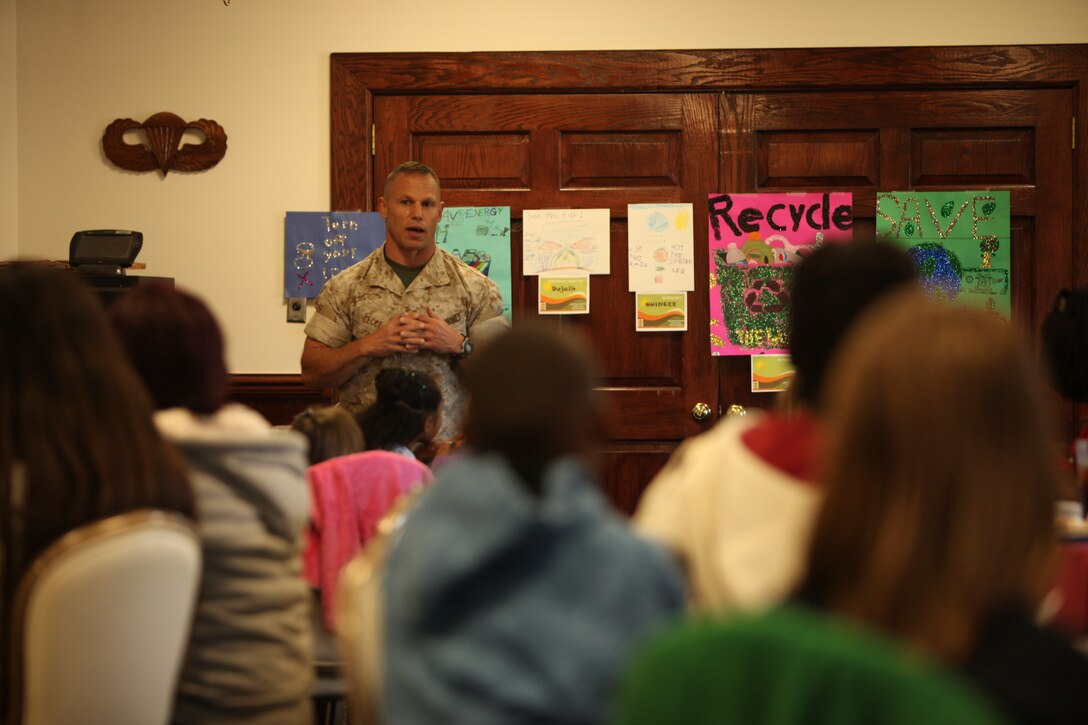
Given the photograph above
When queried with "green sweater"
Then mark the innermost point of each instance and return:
(788, 667)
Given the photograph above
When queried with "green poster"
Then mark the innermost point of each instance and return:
(959, 241)
(480, 237)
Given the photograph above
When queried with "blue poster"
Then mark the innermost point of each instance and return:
(318, 245)
(480, 237)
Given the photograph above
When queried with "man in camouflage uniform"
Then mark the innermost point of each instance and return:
(408, 304)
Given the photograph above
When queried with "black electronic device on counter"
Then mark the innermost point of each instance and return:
(101, 256)
(104, 251)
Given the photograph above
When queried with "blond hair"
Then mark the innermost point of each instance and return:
(331, 431)
(410, 167)
(940, 476)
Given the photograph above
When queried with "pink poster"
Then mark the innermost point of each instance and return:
(755, 239)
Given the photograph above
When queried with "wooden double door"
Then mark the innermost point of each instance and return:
(544, 131)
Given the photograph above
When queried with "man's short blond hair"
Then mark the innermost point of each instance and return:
(410, 167)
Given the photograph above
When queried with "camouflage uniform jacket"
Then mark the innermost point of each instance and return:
(365, 296)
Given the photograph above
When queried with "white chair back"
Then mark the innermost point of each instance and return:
(102, 620)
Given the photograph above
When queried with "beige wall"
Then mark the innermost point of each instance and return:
(260, 68)
(9, 160)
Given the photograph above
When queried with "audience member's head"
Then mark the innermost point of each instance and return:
(406, 411)
(1065, 344)
(831, 287)
(331, 430)
(77, 441)
(175, 343)
(940, 479)
(531, 399)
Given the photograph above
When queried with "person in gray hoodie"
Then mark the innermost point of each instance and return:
(250, 656)
(513, 592)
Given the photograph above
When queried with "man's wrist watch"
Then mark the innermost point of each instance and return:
(466, 349)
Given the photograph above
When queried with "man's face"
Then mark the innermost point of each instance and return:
(411, 209)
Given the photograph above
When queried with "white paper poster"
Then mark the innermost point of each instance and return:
(565, 240)
(660, 247)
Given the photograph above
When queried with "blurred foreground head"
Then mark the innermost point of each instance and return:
(531, 399)
(939, 473)
(176, 345)
(1065, 344)
(831, 288)
(77, 441)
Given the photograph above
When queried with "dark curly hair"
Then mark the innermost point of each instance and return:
(406, 398)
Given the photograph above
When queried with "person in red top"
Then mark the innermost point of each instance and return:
(1064, 336)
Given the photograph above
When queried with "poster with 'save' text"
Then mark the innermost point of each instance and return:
(959, 240)
(755, 241)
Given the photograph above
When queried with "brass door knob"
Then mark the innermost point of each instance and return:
(701, 411)
(735, 409)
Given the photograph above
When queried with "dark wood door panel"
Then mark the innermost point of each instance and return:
(885, 108)
(552, 151)
(793, 159)
(1030, 273)
(972, 156)
(628, 468)
(531, 111)
(889, 140)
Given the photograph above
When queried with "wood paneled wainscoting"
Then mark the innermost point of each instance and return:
(279, 398)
